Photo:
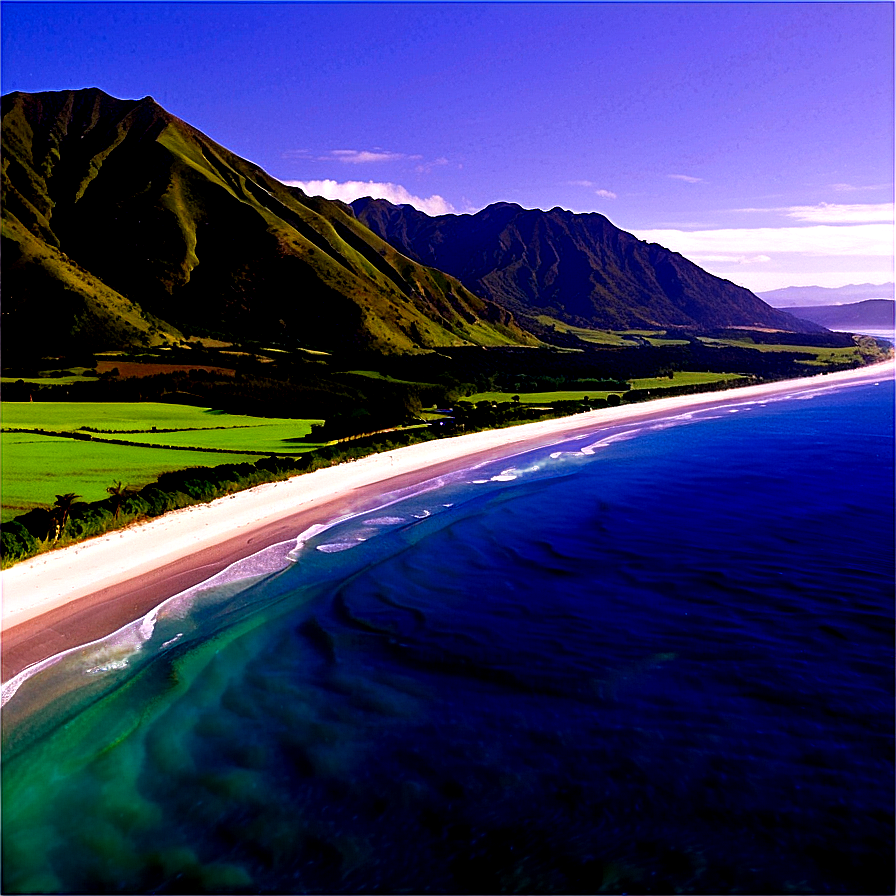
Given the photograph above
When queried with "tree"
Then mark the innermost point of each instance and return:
(118, 495)
(61, 508)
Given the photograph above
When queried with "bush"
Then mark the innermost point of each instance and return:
(91, 519)
(16, 542)
(38, 522)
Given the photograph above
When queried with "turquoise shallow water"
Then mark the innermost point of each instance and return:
(658, 659)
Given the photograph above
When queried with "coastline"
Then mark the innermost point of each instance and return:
(77, 594)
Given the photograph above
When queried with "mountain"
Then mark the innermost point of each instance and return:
(577, 268)
(877, 314)
(124, 226)
(804, 296)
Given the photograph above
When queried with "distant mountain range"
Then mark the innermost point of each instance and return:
(123, 226)
(876, 314)
(576, 268)
(803, 296)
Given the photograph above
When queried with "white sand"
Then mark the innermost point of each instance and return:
(53, 579)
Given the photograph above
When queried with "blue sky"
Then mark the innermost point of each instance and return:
(755, 138)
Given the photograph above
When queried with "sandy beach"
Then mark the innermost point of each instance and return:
(77, 594)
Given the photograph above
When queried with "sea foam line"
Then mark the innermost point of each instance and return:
(244, 569)
(115, 648)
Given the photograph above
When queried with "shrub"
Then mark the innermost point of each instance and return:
(16, 542)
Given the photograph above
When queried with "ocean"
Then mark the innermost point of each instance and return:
(655, 659)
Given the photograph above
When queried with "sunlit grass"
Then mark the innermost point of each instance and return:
(843, 355)
(680, 378)
(537, 398)
(683, 378)
(120, 416)
(37, 467)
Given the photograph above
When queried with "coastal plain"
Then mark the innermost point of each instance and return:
(61, 599)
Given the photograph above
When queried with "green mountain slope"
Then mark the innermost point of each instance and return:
(124, 226)
(578, 268)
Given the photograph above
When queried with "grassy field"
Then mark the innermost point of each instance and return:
(537, 398)
(130, 417)
(681, 378)
(374, 375)
(610, 337)
(598, 337)
(814, 355)
(35, 468)
(278, 438)
(45, 380)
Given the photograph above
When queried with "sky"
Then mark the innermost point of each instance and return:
(757, 139)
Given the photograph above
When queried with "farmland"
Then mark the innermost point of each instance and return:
(679, 378)
(82, 448)
(815, 356)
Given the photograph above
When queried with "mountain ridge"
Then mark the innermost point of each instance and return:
(578, 268)
(875, 313)
(805, 296)
(123, 224)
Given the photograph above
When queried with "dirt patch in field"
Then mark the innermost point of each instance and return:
(136, 368)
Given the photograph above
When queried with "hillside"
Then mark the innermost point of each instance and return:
(124, 226)
(874, 313)
(576, 268)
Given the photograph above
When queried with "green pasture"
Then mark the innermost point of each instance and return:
(52, 377)
(663, 340)
(680, 378)
(375, 375)
(609, 337)
(598, 337)
(814, 355)
(44, 380)
(655, 337)
(275, 438)
(683, 378)
(537, 398)
(140, 416)
(36, 468)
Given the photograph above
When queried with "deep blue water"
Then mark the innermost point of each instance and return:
(664, 663)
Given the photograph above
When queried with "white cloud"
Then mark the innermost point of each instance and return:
(763, 281)
(353, 156)
(834, 213)
(818, 240)
(763, 258)
(831, 213)
(734, 259)
(363, 156)
(426, 167)
(852, 188)
(347, 191)
(581, 183)
(687, 178)
(606, 194)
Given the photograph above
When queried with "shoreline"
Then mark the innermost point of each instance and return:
(80, 593)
